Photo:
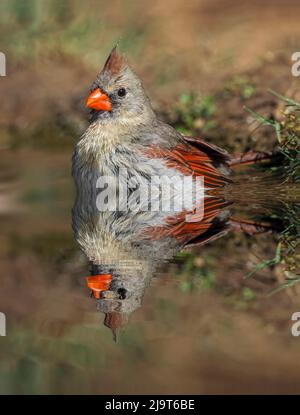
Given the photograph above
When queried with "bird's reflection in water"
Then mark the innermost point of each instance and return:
(127, 248)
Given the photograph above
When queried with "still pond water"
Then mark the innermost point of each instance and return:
(190, 324)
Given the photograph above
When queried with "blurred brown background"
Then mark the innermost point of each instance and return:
(55, 48)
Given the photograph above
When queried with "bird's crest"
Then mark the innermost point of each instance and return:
(114, 63)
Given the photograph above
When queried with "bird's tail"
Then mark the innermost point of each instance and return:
(251, 157)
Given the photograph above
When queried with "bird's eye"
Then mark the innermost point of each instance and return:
(122, 92)
(122, 293)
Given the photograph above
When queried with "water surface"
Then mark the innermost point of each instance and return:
(197, 325)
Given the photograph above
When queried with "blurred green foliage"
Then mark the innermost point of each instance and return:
(240, 86)
(195, 112)
(196, 272)
(35, 29)
(287, 130)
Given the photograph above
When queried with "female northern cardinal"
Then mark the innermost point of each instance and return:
(125, 133)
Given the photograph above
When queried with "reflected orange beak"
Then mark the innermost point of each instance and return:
(98, 101)
(98, 283)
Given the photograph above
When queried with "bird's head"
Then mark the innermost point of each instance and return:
(117, 95)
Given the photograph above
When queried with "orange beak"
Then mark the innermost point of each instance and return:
(98, 283)
(98, 101)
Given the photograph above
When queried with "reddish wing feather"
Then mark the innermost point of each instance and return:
(192, 160)
(189, 160)
(193, 232)
(210, 149)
